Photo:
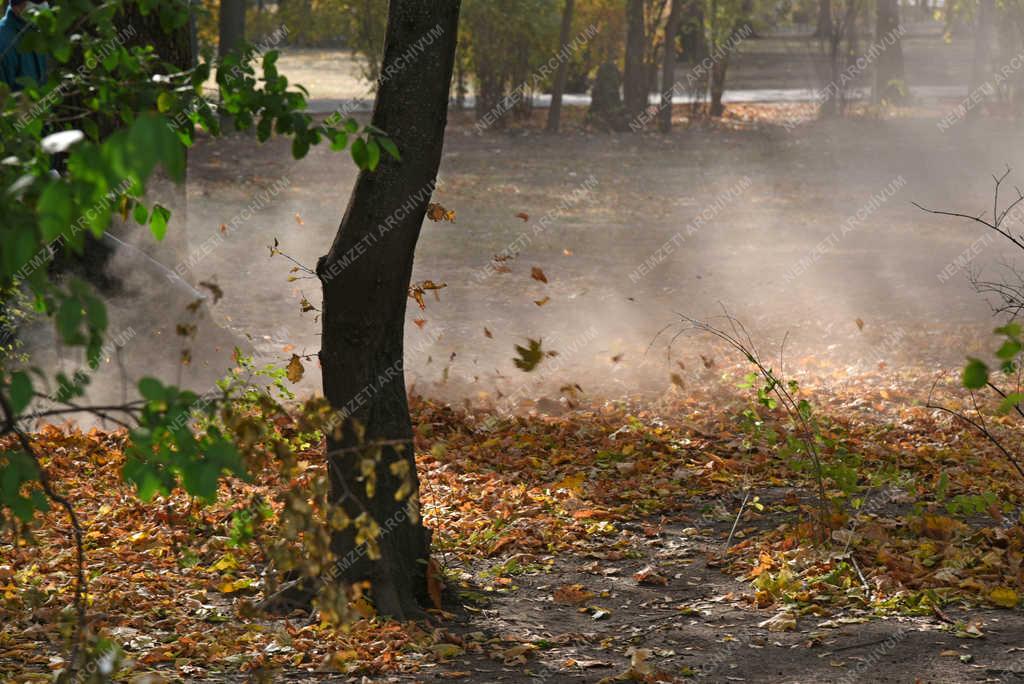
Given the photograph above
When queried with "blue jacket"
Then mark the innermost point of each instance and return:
(15, 64)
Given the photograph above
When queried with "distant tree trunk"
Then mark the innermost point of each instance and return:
(232, 26)
(633, 78)
(890, 80)
(364, 303)
(982, 42)
(824, 27)
(718, 70)
(668, 69)
(555, 110)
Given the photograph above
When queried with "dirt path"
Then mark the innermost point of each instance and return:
(699, 625)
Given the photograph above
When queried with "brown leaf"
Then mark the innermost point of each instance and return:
(648, 575)
(434, 583)
(436, 213)
(295, 369)
(860, 324)
(298, 219)
(488, 334)
(523, 215)
(542, 302)
(214, 289)
(572, 594)
(420, 322)
(537, 274)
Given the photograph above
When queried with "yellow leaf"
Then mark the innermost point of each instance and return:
(446, 650)
(295, 369)
(1004, 597)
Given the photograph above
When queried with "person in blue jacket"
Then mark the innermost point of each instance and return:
(15, 64)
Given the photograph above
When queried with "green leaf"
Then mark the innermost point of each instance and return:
(360, 155)
(54, 210)
(1010, 402)
(389, 146)
(1009, 350)
(20, 391)
(373, 154)
(158, 221)
(975, 374)
(164, 102)
(151, 389)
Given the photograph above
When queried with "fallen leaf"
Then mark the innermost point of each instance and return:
(537, 274)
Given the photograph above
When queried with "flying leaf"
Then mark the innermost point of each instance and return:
(214, 289)
(436, 213)
(529, 356)
(295, 369)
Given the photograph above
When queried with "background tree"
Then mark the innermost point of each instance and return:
(564, 36)
(231, 21)
(364, 311)
(982, 46)
(890, 79)
(634, 79)
(668, 78)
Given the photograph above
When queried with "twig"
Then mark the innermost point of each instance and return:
(735, 523)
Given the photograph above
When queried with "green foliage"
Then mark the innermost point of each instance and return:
(119, 113)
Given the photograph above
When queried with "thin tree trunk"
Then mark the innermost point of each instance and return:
(231, 25)
(982, 41)
(365, 279)
(633, 82)
(668, 69)
(824, 27)
(555, 110)
(890, 79)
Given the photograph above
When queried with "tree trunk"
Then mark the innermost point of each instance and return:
(364, 302)
(982, 41)
(890, 80)
(718, 70)
(232, 26)
(824, 28)
(668, 68)
(555, 110)
(633, 80)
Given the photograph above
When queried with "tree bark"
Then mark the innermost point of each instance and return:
(555, 110)
(232, 26)
(668, 68)
(633, 80)
(364, 302)
(890, 79)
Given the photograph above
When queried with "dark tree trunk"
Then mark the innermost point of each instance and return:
(824, 28)
(982, 43)
(890, 80)
(364, 302)
(555, 110)
(232, 26)
(718, 71)
(668, 69)
(634, 82)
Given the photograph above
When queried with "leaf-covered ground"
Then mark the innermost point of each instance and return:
(581, 542)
